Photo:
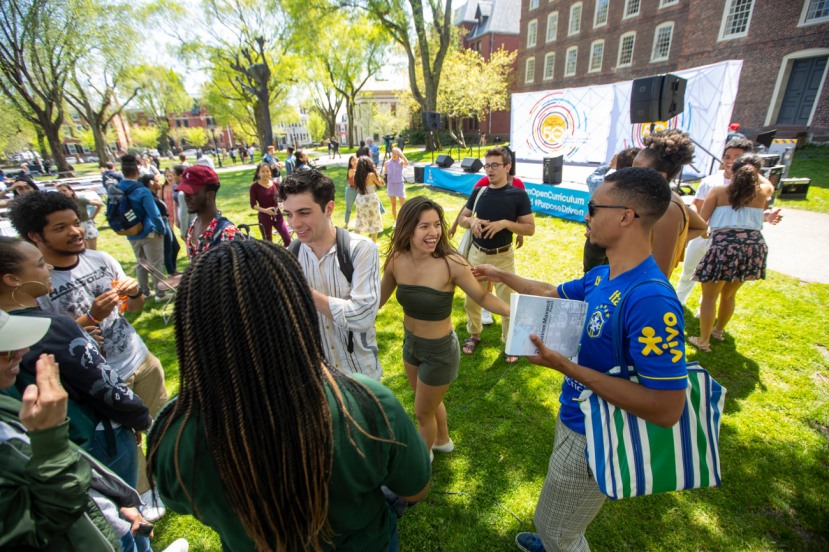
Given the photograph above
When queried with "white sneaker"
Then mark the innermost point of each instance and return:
(154, 509)
(180, 545)
(486, 317)
(448, 446)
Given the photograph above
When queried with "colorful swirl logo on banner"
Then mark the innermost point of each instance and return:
(555, 122)
(638, 131)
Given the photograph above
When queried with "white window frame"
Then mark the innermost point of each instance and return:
(667, 3)
(803, 22)
(724, 23)
(533, 4)
(553, 15)
(659, 27)
(532, 33)
(574, 7)
(567, 72)
(626, 15)
(529, 76)
(632, 49)
(596, 23)
(593, 45)
(551, 76)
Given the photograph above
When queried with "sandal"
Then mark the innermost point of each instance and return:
(697, 342)
(470, 344)
(718, 334)
(510, 359)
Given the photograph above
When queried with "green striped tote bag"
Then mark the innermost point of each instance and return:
(631, 457)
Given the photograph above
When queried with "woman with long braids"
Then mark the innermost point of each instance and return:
(425, 269)
(735, 214)
(265, 443)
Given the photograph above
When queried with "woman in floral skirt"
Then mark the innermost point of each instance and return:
(367, 204)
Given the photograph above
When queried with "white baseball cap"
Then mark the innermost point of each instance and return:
(19, 332)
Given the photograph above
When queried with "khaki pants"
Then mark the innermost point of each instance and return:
(504, 261)
(148, 383)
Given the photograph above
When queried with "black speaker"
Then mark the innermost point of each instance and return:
(657, 98)
(444, 161)
(432, 120)
(766, 138)
(552, 169)
(419, 174)
(471, 164)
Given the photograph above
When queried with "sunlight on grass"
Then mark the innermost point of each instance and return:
(502, 418)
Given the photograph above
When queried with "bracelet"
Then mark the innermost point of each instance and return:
(136, 296)
(94, 320)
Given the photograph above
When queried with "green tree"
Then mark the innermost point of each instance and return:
(317, 127)
(160, 94)
(16, 132)
(41, 43)
(424, 31)
(196, 137)
(145, 136)
(100, 71)
(473, 86)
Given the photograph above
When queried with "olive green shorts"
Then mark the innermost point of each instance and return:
(437, 360)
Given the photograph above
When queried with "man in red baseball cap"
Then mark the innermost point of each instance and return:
(208, 228)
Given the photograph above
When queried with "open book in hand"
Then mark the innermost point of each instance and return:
(558, 322)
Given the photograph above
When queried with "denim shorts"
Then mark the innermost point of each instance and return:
(437, 360)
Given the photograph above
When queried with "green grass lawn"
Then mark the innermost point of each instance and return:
(811, 162)
(775, 460)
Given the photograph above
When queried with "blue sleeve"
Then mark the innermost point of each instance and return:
(152, 217)
(654, 328)
(577, 290)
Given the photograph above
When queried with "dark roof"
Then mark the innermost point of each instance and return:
(493, 16)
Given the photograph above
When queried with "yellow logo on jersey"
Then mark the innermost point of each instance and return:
(658, 344)
(615, 297)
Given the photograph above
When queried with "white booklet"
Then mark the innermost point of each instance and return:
(558, 322)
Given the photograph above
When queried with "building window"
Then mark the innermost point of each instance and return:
(572, 57)
(815, 11)
(549, 65)
(600, 17)
(662, 42)
(631, 8)
(735, 20)
(596, 56)
(529, 70)
(666, 3)
(552, 26)
(626, 42)
(532, 33)
(575, 19)
(533, 4)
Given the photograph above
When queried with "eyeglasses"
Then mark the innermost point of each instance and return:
(493, 166)
(591, 208)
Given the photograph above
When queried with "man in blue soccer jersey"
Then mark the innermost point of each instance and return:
(620, 217)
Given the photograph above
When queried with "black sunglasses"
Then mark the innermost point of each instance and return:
(591, 208)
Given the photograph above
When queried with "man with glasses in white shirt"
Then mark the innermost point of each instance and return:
(501, 211)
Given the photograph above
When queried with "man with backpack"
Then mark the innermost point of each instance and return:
(208, 227)
(342, 269)
(132, 212)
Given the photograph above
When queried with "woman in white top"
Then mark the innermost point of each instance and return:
(735, 215)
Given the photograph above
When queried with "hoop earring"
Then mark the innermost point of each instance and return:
(23, 284)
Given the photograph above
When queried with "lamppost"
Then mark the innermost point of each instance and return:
(212, 128)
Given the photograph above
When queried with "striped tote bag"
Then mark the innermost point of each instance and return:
(631, 457)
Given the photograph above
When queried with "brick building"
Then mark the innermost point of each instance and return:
(784, 47)
(490, 26)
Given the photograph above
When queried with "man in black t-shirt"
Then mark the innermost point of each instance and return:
(502, 211)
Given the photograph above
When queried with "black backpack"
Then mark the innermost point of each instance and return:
(344, 260)
(119, 214)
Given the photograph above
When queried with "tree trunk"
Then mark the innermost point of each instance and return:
(349, 109)
(99, 134)
(52, 132)
(41, 143)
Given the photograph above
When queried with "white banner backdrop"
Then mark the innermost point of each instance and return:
(590, 124)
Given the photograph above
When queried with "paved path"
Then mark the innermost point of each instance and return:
(798, 246)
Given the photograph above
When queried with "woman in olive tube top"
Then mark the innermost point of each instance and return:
(425, 268)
